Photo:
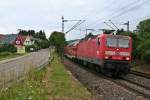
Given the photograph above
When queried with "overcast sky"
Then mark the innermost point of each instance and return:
(46, 14)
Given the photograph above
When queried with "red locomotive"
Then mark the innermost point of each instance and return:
(112, 53)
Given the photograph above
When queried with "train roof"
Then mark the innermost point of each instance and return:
(73, 43)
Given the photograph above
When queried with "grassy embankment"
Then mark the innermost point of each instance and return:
(49, 83)
(7, 55)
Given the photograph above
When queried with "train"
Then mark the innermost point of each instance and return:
(107, 53)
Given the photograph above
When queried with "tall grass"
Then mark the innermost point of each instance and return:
(32, 88)
(53, 82)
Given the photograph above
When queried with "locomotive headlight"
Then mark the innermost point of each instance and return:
(127, 58)
(106, 57)
(109, 52)
(124, 54)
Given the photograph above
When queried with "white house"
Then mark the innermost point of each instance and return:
(28, 41)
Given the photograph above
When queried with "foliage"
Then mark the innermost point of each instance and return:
(41, 44)
(44, 44)
(32, 88)
(88, 36)
(8, 48)
(40, 35)
(27, 32)
(144, 27)
(143, 47)
(28, 48)
(49, 83)
(146, 56)
(57, 39)
(3, 54)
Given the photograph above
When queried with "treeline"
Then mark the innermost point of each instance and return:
(143, 40)
(40, 34)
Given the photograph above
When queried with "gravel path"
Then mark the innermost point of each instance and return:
(100, 88)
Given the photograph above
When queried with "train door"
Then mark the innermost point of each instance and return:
(98, 43)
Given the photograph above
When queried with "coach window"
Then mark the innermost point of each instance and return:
(98, 41)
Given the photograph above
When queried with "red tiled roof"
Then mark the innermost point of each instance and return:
(20, 38)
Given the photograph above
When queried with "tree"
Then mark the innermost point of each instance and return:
(41, 35)
(58, 40)
(31, 32)
(89, 35)
(144, 40)
(8, 48)
(144, 28)
(120, 31)
(27, 32)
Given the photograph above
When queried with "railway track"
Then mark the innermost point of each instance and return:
(140, 74)
(132, 86)
(138, 89)
(136, 83)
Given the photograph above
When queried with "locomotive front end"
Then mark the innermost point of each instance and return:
(117, 54)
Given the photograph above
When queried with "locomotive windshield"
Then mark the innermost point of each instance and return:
(111, 42)
(123, 43)
(117, 42)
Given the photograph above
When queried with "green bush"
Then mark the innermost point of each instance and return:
(8, 48)
(5, 53)
(44, 44)
(143, 47)
(146, 56)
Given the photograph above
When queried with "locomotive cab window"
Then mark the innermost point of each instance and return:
(117, 42)
(123, 43)
(111, 42)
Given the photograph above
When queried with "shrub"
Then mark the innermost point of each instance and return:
(143, 47)
(146, 56)
(44, 44)
(8, 48)
(5, 53)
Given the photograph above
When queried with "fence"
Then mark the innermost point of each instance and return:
(13, 70)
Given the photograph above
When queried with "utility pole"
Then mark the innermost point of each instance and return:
(63, 24)
(128, 25)
(79, 22)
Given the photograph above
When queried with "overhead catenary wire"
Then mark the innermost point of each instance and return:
(75, 26)
(118, 10)
(129, 9)
(121, 11)
(109, 25)
(114, 25)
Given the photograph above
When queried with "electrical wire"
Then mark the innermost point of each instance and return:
(126, 8)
